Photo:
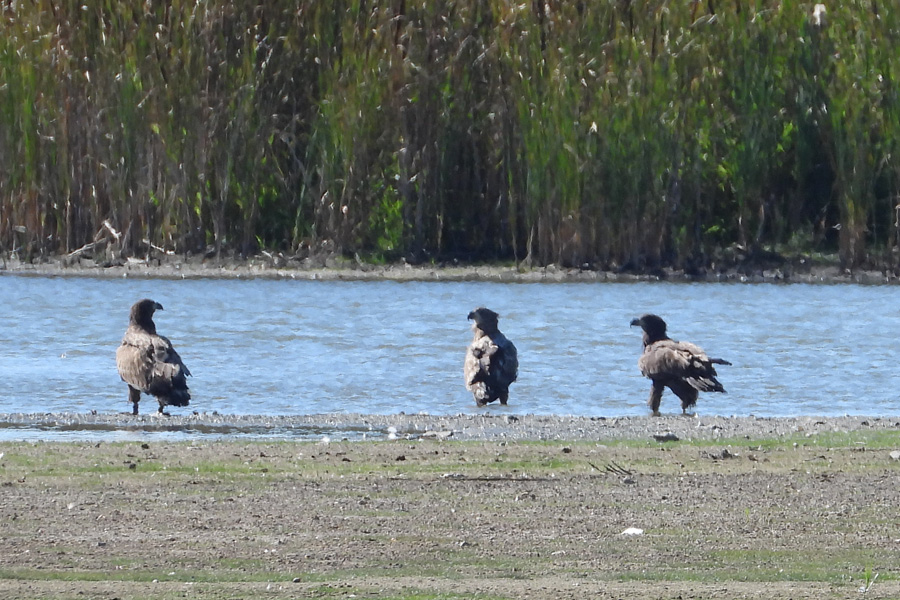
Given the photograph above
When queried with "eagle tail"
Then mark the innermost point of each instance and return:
(706, 384)
(176, 398)
(173, 393)
(719, 361)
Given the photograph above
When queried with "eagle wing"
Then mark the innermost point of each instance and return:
(168, 371)
(493, 361)
(149, 363)
(135, 358)
(506, 361)
(668, 360)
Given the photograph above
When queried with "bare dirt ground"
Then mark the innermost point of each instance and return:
(810, 512)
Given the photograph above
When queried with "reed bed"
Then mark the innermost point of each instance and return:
(614, 133)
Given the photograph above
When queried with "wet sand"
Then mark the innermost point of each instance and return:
(482, 426)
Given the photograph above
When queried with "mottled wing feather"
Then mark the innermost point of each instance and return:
(665, 358)
(165, 353)
(134, 361)
(149, 363)
(668, 359)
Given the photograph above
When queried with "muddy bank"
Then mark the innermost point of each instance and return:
(487, 426)
(333, 268)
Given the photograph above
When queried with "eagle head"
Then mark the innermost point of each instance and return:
(142, 311)
(652, 325)
(484, 318)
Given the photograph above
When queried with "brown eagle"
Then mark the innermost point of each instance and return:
(148, 363)
(491, 360)
(681, 366)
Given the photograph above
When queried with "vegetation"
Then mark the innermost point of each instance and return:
(621, 134)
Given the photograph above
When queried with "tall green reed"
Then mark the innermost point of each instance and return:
(630, 135)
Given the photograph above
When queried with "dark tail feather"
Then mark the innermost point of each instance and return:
(719, 361)
(705, 384)
(177, 398)
(178, 394)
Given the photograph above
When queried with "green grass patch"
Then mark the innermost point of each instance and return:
(827, 565)
(227, 575)
(327, 591)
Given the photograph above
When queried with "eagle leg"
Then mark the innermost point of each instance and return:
(687, 394)
(134, 396)
(655, 397)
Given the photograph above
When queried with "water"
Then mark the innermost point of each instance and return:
(267, 347)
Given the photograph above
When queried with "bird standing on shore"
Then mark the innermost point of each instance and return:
(681, 366)
(492, 363)
(148, 363)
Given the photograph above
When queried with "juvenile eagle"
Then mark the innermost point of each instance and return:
(148, 363)
(681, 366)
(491, 360)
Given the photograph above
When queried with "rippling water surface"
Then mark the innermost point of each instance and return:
(302, 347)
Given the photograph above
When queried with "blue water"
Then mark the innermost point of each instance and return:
(303, 347)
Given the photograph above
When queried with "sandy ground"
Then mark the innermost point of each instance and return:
(737, 508)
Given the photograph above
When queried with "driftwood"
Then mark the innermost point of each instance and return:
(105, 235)
(159, 249)
(86, 248)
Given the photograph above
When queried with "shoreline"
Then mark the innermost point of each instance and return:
(276, 267)
(464, 427)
